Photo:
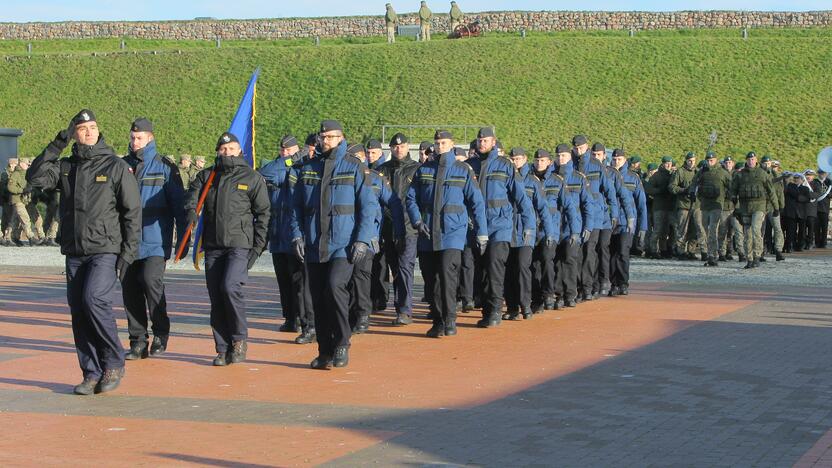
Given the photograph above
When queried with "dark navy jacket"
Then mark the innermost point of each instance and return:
(502, 193)
(602, 190)
(564, 208)
(548, 223)
(631, 182)
(333, 205)
(163, 201)
(387, 199)
(577, 188)
(441, 195)
(276, 173)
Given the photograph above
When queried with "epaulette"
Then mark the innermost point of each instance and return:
(560, 177)
(580, 174)
(169, 163)
(535, 178)
(352, 159)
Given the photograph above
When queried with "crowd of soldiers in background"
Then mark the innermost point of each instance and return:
(30, 215)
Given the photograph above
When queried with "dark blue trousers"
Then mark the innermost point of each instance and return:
(402, 267)
(225, 275)
(90, 285)
(329, 285)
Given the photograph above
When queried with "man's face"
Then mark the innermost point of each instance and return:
(444, 145)
(618, 161)
(200, 163)
(581, 149)
(689, 163)
(541, 164)
(809, 177)
(711, 162)
(599, 155)
(87, 133)
(423, 156)
(286, 152)
(311, 151)
(564, 158)
(331, 139)
(519, 161)
(401, 151)
(486, 144)
(751, 162)
(766, 165)
(667, 165)
(729, 165)
(636, 165)
(651, 172)
(139, 140)
(230, 149)
(374, 155)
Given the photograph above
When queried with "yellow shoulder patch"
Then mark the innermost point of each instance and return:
(242, 187)
(101, 178)
(289, 162)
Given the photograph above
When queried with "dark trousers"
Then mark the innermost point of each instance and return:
(518, 285)
(809, 228)
(589, 265)
(90, 284)
(402, 267)
(295, 301)
(496, 257)
(225, 275)
(543, 273)
(361, 301)
(380, 281)
(466, 276)
(790, 227)
(329, 286)
(143, 291)
(821, 229)
(620, 259)
(602, 276)
(441, 273)
(567, 269)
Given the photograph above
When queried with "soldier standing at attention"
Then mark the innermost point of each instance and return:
(424, 21)
(752, 189)
(455, 16)
(711, 186)
(391, 20)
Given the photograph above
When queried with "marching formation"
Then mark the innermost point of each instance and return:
(490, 230)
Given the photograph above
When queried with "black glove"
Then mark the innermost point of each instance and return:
(191, 217)
(121, 268)
(528, 237)
(482, 245)
(573, 240)
(26, 190)
(692, 197)
(775, 213)
(299, 248)
(423, 230)
(585, 235)
(359, 252)
(61, 140)
(550, 242)
(253, 255)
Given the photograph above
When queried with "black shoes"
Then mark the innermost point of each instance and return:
(756, 263)
(527, 312)
(729, 257)
(362, 326)
(238, 352)
(436, 331)
(307, 336)
(748, 265)
(110, 380)
(221, 359)
(623, 291)
(613, 291)
(558, 304)
(779, 256)
(138, 350)
(87, 387)
(468, 306)
(289, 326)
(341, 357)
(703, 257)
(450, 327)
(711, 262)
(159, 346)
(490, 320)
(741, 258)
(402, 320)
(550, 304)
(322, 362)
(571, 303)
(512, 313)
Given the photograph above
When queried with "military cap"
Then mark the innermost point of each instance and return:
(460, 151)
(485, 132)
(356, 148)
(562, 148)
(618, 152)
(373, 144)
(288, 141)
(776, 163)
(667, 159)
(598, 147)
(442, 135)
(517, 151)
(652, 166)
(84, 116)
(727, 158)
(710, 155)
(331, 126)
(750, 155)
(473, 144)
(311, 139)
(806, 172)
(578, 140)
(635, 159)
(690, 155)
(398, 139)
(424, 145)
(740, 165)
(185, 157)
(226, 137)
(141, 125)
(541, 153)
(766, 158)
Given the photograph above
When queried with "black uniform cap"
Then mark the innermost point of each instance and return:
(423, 146)
(618, 152)
(562, 148)
(288, 141)
(517, 151)
(331, 126)
(398, 139)
(485, 132)
(225, 138)
(443, 134)
(373, 144)
(141, 125)
(578, 140)
(311, 139)
(542, 153)
(460, 151)
(85, 115)
(598, 147)
(356, 148)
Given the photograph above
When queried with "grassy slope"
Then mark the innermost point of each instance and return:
(659, 93)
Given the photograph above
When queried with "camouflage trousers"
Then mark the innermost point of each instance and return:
(711, 219)
(690, 234)
(752, 226)
(730, 234)
(776, 231)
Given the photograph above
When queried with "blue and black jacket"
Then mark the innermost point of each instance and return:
(277, 176)
(548, 223)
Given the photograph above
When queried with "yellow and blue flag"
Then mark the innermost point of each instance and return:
(242, 126)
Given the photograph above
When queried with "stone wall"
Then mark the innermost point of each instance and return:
(507, 21)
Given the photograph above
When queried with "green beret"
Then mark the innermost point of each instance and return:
(690, 155)
(652, 166)
(710, 155)
(666, 159)
(635, 159)
(750, 155)
(766, 158)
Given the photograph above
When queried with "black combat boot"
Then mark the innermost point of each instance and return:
(159, 346)
(756, 263)
(238, 352)
(362, 326)
(571, 303)
(87, 387)
(527, 312)
(722, 258)
(341, 357)
(748, 265)
(322, 362)
(450, 326)
(512, 312)
(437, 330)
(742, 258)
(728, 257)
(550, 304)
(221, 359)
(468, 306)
(138, 350)
(559, 304)
(110, 380)
(289, 326)
(402, 320)
(307, 336)
(623, 291)
(703, 256)
(779, 256)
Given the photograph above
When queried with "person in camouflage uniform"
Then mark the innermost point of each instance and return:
(424, 21)
(391, 20)
(662, 208)
(21, 195)
(777, 205)
(753, 191)
(711, 186)
(730, 230)
(686, 210)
